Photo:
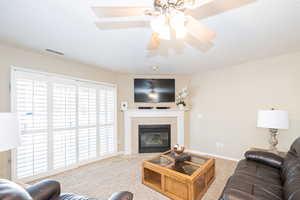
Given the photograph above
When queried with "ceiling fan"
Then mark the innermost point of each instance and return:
(169, 19)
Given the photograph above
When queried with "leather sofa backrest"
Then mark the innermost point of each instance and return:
(295, 148)
(290, 172)
(11, 191)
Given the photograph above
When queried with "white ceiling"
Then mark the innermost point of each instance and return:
(260, 29)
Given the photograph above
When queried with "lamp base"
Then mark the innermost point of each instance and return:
(273, 139)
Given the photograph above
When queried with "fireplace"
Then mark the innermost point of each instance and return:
(154, 138)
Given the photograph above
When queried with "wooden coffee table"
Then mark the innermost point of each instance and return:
(188, 180)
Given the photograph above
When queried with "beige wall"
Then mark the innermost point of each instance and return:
(10, 56)
(125, 93)
(225, 104)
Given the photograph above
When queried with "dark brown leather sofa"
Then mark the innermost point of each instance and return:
(266, 176)
(45, 190)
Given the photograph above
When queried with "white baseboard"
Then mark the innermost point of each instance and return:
(197, 152)
(213, 155)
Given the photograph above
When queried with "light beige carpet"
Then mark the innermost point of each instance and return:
(102, 178)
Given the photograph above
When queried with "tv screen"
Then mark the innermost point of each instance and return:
(154, 90)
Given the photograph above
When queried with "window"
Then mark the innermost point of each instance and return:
(64, 122)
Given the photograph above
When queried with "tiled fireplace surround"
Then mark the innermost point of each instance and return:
(134, 117)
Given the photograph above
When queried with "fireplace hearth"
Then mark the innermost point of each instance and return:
(154, 138)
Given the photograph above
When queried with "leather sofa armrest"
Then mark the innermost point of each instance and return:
(11, 191)
(122, 196)
(44, 190)
(266, 158)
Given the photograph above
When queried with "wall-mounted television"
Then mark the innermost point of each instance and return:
(154, 90)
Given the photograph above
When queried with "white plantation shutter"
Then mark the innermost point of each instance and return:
(87, 139)
(64, 125)
(87, 113)
(106, 120)
(64, 122)
(87, 106)
(31, 105)
(64, 148)
(64, 106)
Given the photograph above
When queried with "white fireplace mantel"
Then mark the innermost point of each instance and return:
(134, 113)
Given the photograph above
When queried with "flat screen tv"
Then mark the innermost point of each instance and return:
(154, 90)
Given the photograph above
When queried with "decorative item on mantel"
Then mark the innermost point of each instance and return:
(124, 105)
(180, 97)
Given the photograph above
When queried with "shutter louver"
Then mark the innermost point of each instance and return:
(87, 143)
(64, 148)
(110, 102)
(87, 106)
(64, 106)
(106, 120)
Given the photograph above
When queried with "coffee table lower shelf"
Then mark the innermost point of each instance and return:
(178, 186)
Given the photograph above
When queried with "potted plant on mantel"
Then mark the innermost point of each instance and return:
(180, 97)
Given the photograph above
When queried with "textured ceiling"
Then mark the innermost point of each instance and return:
(255, 30)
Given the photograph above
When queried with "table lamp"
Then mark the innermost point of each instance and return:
(273, 120)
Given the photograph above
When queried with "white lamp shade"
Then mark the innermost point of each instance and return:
(9, 131)
(277, 119)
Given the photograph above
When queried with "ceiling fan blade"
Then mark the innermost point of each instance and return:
(201, 46)
(199, 31)
(120, 11)
(215, 7)
(111, 25)
(154, 42)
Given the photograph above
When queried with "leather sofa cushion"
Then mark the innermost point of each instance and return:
(257, 170)
(12, 191)
(266, 158)
(291, 172)
(46, 189)
(124, 195)
(68, 196)
(295, 148)
(292, 188)
(291, 161)
(291, 176)
(239, 187)
(290, 167)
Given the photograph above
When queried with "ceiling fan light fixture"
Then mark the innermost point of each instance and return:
(177, 22)
(181, 32)
(177, 19)
(165, 33)
(158, 23)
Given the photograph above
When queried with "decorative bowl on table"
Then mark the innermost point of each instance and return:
(178, 154)
(178, 149)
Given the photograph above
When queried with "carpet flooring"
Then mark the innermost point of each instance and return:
(102, 178)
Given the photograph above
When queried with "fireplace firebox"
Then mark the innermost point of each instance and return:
(154, 138)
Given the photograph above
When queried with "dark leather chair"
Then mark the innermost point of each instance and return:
(45, 190)
(266, 176)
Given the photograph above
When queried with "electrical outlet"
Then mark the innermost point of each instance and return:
(199, 116)
(220, 146)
